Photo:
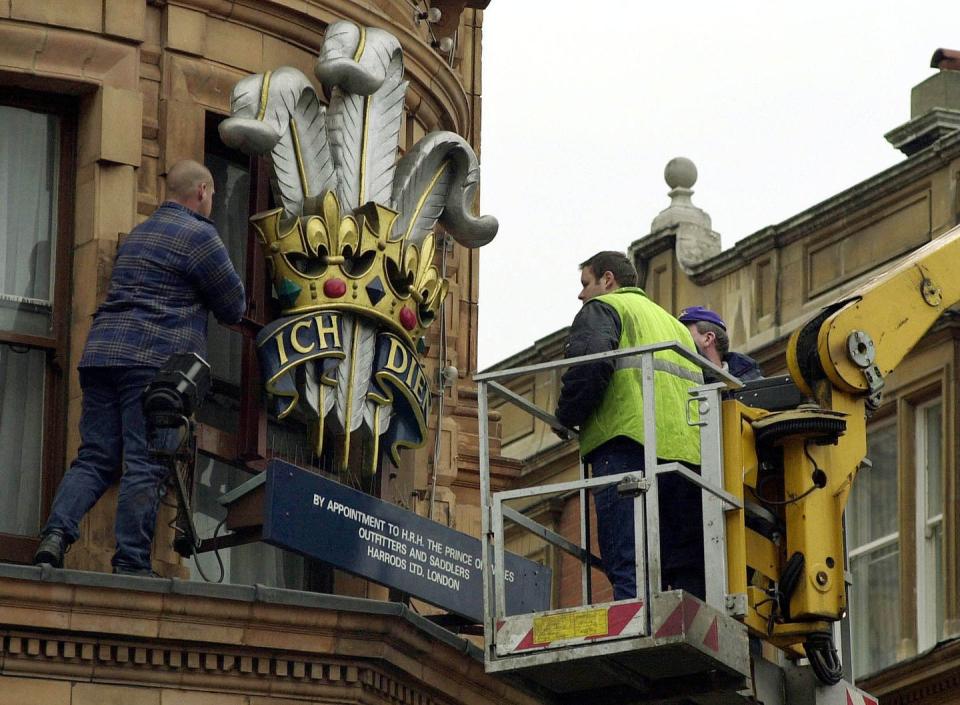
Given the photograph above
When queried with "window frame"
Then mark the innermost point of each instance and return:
(885, 419)
(247, 448)
(16, 548)
(906, 406)
(924, 567)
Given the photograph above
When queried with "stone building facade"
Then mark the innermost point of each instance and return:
(902, 516)
(98, 98)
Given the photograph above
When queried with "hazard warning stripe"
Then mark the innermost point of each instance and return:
(688, 619)
(855, 696)
(619, 616)
(622, 619)
(680, 619)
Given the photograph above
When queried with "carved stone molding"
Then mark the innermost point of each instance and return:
(930, 679)
(162, 665)
(434, 86)
(66, 60)
(231, 638)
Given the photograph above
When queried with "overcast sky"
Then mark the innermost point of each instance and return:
(779, 105)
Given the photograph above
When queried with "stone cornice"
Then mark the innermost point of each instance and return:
(119, 629)
(843, 204)
(549, 347)
(830, 211)
(542, 467)
(69, 60)
(654, 243)
(304, 23)
(97, 659)
(936, 123)
(926, 676)
(504, 471)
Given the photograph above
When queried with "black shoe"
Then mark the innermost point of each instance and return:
(139, 572)
(51, 549)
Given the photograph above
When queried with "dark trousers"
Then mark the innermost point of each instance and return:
(681, 524)
(113, 432)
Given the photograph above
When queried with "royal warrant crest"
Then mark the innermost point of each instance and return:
(350, 248)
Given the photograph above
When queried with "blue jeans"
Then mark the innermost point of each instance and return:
(113, 434)
(681, 524)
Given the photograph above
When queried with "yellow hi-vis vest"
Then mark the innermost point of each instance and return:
(642, 322)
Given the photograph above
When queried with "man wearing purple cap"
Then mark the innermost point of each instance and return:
(710, 335)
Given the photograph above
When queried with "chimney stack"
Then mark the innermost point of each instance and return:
(934, 106)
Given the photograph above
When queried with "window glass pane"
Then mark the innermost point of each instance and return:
(875, 603)
(29, 171)
(231, 209)
(931, 444)
(245, 565)
(872, 517)
(221, 407)
(934, 571)
(933, 447)
(873, 504)
(21, 439)
(231, 206)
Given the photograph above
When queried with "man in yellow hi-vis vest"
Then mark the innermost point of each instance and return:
(604, 399)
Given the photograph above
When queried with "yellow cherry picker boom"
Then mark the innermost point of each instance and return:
(778, 463)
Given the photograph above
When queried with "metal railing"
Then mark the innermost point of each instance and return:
(707, 399)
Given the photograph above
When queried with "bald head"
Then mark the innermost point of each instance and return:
(190, 184)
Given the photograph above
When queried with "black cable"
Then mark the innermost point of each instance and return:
(175, 459)
(789, 579)
(819, 476)
(823, 658)
(773, 611)
(776, 502)
(819, 481)
(216, 554)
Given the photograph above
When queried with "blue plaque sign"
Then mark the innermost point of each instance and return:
(363, 535)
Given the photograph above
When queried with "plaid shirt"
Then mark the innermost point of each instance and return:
(169, 272)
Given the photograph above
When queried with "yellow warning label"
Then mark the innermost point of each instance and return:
(570, 625)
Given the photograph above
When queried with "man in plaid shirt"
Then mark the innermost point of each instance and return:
(170, 272)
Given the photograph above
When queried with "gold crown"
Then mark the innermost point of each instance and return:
(347, 263)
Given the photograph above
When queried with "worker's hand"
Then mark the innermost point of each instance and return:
(563, 434)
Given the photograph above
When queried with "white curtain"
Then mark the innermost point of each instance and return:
(21, 439)
(29, 171)
(28, 194)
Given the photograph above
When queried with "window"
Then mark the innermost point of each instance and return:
(237, 431)
(930, 588)
(873, 542)
(231, 209)
(233, 417)
(36, 167)
(895, 520)
(244, 429)
(247, 564)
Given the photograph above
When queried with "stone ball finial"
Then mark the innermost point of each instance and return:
(680, 172)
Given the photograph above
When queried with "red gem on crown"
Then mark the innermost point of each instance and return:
(407, 319)
(334, 288)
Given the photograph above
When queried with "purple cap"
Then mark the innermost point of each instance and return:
(692, 314)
